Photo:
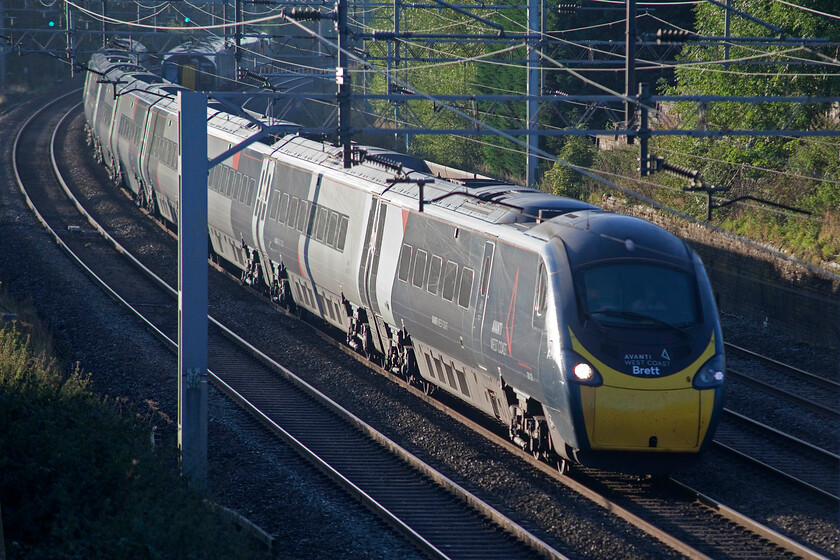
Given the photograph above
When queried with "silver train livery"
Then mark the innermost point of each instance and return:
(592, 335)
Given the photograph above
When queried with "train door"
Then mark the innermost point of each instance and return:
(260, 205)
(483, 294)
(370, 264)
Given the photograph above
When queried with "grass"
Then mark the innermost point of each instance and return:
(80, 476)
(814, 238)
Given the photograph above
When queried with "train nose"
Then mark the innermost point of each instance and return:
(632, 419)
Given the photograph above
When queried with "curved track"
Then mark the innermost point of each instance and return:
(234, 364)
(443, 519)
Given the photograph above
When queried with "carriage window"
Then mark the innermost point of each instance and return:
(321, 229)
(234, 178)
(485, 275)
(284, 208)
(252, 183)
(225, 180)
(332, 229)
(303, 216)
(405, 263)
(419, 268)
(465, 290)
(450, 275)
(342, 232)
(211, 178)
(434, 274)
(293, 209)
(273, 212)
(237, 189)
(243, 195)
(313, 214)
(542, 289)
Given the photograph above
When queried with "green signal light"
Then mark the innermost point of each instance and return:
(52, 24)
(186, 20)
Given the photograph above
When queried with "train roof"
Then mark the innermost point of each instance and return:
(126, 45)
(211, 46)
(404, 175)
(622, 234)
(541, 215)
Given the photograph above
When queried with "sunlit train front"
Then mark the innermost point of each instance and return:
(636, 343)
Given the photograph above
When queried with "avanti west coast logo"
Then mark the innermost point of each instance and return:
(647, 365)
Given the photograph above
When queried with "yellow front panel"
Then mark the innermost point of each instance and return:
(188, 77)
(627, 419)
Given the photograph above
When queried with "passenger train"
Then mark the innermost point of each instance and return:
(209, 64)
(593, 336)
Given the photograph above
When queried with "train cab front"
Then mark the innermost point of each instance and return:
(642, 355)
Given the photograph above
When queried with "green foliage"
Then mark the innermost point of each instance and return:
(565, 181)
(434, 78)
(798, 173)
(80, 479)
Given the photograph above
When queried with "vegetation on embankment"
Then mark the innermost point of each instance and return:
(780, 152)
(80, 477)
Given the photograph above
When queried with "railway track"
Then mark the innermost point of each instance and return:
(817, 393)
(712, 546)
(791, 458)
(440, 517)
(802, 449)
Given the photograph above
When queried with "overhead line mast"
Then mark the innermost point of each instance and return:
(534, 38)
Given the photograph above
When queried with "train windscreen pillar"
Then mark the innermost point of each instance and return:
(192, 287)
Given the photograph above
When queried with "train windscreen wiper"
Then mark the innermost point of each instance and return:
(624, 314)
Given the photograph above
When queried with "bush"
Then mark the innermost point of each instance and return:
(81, 479)
(565, 181)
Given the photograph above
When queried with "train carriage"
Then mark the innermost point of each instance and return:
(593, 336)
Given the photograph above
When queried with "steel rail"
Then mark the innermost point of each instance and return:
(759, 528)
(772, 389)
(816, 379)
(789, 438)
(764, 466)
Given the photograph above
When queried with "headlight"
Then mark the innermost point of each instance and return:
(710, 375)
(583, 371)
(580, 371)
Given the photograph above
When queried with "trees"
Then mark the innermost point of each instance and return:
(798, 172)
